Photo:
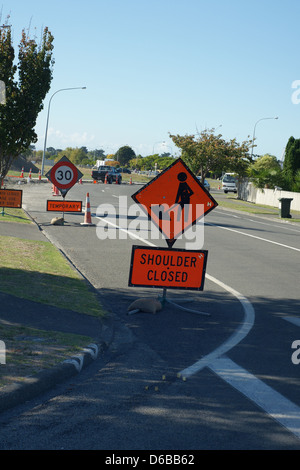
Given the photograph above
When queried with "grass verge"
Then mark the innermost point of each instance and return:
(29, 351)
(36, 270)
(8, 214)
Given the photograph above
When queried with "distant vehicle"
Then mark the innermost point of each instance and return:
(111, 174)
(229, 183)
(206, 183)
(125, 170)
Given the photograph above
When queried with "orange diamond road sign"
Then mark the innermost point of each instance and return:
(11, 198)
(168, 268)
(175, 200)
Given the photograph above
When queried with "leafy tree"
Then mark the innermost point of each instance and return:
(24, 94)
(266, 172)
(211, 153)
(124, 155)
(291, 162)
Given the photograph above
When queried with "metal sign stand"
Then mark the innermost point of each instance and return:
(164, 300)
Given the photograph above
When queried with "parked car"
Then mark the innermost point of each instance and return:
(206, 183)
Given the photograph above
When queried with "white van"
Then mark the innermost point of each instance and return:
(229, 183)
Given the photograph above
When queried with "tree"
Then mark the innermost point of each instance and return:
(291, 162)
(211, 153)
(266, 172)
(27, 84)
(124, 155)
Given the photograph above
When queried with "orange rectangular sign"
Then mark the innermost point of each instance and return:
(11, 198)
(64, 206)
(167, 268)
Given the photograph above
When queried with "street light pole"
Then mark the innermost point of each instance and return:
(46, 132)
(262, 119)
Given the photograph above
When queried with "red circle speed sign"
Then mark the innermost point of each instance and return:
(64, 175)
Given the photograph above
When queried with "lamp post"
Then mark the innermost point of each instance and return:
(262, 119)
(46, 132)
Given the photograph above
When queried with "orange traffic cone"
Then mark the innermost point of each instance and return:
(40, 177)
(22, 173)
(130, 182)
(105, 179)
(87, 215)
(55, 191)
(29, 176)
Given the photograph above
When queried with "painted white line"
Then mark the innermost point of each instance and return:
(277, 406)
(254, 236)
(294, 320)
(131, 234)
(235, 338)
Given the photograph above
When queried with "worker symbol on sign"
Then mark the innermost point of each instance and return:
(183, 196)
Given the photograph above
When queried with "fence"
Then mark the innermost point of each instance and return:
(269, 197)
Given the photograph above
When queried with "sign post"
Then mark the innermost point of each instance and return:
(174, 201)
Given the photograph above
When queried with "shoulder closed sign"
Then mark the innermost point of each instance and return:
(167, 268)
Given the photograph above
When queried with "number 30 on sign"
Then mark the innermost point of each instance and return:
(64, 175)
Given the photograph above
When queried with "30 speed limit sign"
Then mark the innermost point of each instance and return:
(64, 175)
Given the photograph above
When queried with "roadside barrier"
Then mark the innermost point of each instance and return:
(87, 214)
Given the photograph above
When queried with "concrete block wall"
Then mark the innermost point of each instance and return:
(269, 197)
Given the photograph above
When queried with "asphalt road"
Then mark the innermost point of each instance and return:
(238, 385)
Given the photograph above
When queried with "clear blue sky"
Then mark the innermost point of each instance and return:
(157, 66)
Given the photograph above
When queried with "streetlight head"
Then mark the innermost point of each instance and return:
(84, 88)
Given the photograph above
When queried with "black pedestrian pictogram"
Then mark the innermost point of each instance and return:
(183, 196)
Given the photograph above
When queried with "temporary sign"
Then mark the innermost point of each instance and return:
(168, 268)
(11, 198)
(64, 206)
(64, 175)
(175, 200)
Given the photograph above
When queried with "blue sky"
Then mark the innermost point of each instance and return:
(154, 67)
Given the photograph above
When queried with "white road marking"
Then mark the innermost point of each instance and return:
(235, 338)
(294, 320)
(276, 405)
(271, 402)
(254, 236)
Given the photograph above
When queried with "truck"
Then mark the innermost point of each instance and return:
(111, 174)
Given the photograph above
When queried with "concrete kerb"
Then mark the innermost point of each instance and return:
(17, 394)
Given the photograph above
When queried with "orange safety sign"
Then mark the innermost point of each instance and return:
(175, 200)
(168, 268)
(64, 206)
(11, 198)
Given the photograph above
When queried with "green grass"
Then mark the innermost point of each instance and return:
(36, 270)
(29, 351)
(8, 214)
